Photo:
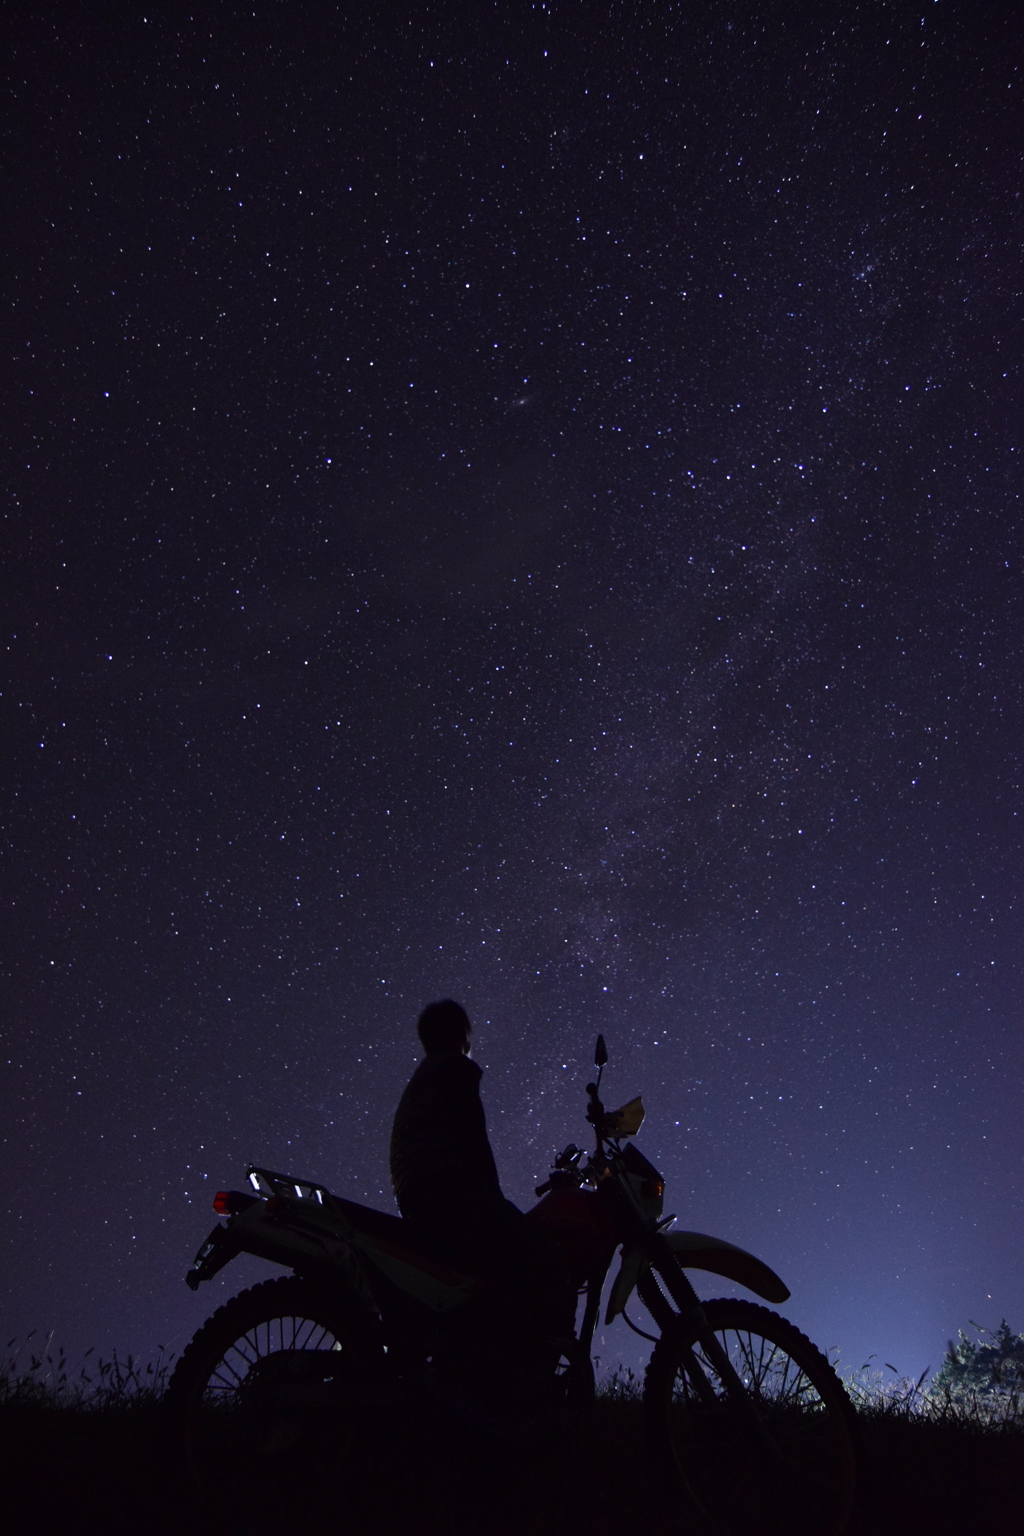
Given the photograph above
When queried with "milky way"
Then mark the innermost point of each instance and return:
(520, 507)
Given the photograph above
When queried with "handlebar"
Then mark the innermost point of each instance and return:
(566, 1170)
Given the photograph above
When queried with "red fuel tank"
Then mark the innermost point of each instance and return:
(581, 1224)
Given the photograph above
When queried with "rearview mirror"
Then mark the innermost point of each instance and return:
(600, 1052)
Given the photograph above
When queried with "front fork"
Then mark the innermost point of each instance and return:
(682, 1293)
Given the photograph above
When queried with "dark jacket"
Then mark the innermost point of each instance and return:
(440, 1155)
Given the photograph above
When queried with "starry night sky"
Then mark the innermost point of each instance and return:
(516, 502)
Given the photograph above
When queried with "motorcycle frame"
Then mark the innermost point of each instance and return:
(301, 1225)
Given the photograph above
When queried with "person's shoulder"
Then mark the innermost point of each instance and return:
(469, 1069)
(453, 1067)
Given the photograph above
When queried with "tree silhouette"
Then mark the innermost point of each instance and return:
(995, 1367)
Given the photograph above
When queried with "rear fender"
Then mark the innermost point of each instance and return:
(219, 1249)
(304, 1229)
(283, 1231)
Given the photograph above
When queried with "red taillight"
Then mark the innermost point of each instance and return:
(231, 1202)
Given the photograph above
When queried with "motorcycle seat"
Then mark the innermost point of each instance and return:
(390, 1229)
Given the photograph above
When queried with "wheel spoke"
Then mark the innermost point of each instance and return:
(251, 1343)
(231, 1375)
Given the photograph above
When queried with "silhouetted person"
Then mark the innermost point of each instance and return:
(442, 1166)
(447, 1188)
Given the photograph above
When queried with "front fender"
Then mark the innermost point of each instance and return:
(695, 1250)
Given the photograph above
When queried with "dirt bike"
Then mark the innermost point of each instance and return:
(748, 1424)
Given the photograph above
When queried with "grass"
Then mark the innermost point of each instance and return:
(89, 1442)
(80, 1445)
(969, 1409)
(35, 1378)
(939, 1461)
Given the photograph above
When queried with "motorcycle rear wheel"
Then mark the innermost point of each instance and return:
(796, 1475)
(277, 1366)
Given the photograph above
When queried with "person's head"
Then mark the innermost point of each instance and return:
(444, 1026)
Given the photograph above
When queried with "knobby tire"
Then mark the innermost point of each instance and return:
(256, 1377)
(790, 1473)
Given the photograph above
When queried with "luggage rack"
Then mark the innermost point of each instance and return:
(286, 1186)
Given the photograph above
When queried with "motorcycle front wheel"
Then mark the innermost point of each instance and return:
(783, 1462)
(278, 1369)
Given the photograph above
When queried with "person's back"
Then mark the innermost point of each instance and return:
(439, 1147)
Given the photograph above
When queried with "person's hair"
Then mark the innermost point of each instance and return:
(443, 1026)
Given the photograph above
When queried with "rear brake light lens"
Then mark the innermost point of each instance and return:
(231, 1202)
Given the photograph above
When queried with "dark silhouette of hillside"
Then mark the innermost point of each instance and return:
(109, 1469)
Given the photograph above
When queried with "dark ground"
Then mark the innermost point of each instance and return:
(109, 1470)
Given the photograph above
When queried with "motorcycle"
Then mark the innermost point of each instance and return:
(747, 1423)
